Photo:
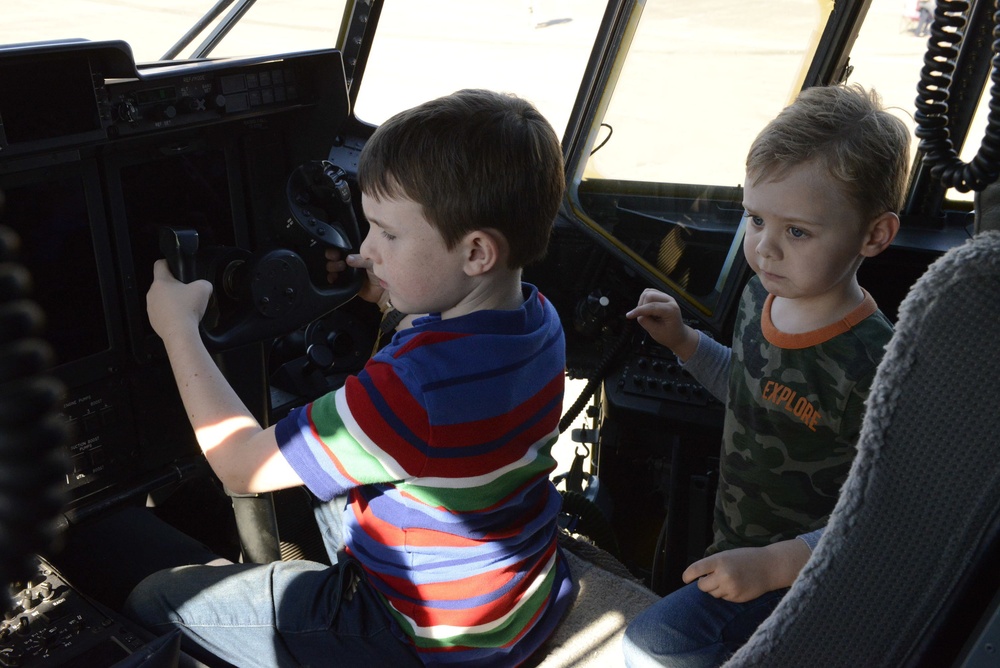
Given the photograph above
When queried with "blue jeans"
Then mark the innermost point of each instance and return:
(286, 613)
(691, 629)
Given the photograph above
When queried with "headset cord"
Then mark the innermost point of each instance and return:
(597, 377)
(33, 434)
(932, 104)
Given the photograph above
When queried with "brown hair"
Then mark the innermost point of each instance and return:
(475, 159)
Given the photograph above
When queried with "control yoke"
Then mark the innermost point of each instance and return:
(267, 293)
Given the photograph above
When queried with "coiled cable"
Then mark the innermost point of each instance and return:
(33, 434)
(584, 517)
(597, 377)
(947, 32)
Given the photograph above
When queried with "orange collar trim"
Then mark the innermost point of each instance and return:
(809, 339)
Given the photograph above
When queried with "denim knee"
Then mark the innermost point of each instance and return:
(144, 604)
(635, 646)
(692, 629)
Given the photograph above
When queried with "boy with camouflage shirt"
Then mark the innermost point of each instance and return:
(824, 180)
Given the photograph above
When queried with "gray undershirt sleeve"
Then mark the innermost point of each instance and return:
(710, 366)
(812, 538)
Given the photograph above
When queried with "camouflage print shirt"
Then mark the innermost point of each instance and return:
(793, 413)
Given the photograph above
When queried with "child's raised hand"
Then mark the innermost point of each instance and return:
(660, 315)
(174, 306)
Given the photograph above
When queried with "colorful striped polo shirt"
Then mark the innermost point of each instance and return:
(443, 445)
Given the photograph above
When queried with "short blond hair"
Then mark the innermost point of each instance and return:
(845, 127)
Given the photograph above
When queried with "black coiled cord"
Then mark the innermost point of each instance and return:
(33, 434)
(597, 377)
(932, 104)
(589, 520)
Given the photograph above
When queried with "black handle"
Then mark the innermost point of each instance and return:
(180, 248)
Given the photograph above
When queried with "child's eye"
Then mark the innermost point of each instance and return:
(797, 233)
(387, 236)
(756, 221)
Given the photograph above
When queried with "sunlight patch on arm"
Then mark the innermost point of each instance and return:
(213, 435)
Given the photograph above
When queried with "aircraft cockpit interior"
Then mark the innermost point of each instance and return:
(238, 165)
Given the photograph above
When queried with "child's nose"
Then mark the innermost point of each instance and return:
(766, 245)
(367, 246)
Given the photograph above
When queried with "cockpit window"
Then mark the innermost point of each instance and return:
(152, 27)
(698, 83)
(667, 150)
(537, 49)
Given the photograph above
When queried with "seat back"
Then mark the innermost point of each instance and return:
(916, 522)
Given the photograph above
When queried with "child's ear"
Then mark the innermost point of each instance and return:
(881, 232)
(484, 250)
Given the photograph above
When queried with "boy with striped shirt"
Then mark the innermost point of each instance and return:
(441, 444)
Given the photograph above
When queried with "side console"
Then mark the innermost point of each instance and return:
(652, 384)
(97, 156)
(49, 623)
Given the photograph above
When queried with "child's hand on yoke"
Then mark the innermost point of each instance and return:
(337, 262)
(175, 307)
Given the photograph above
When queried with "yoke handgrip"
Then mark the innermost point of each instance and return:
(180, 247)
